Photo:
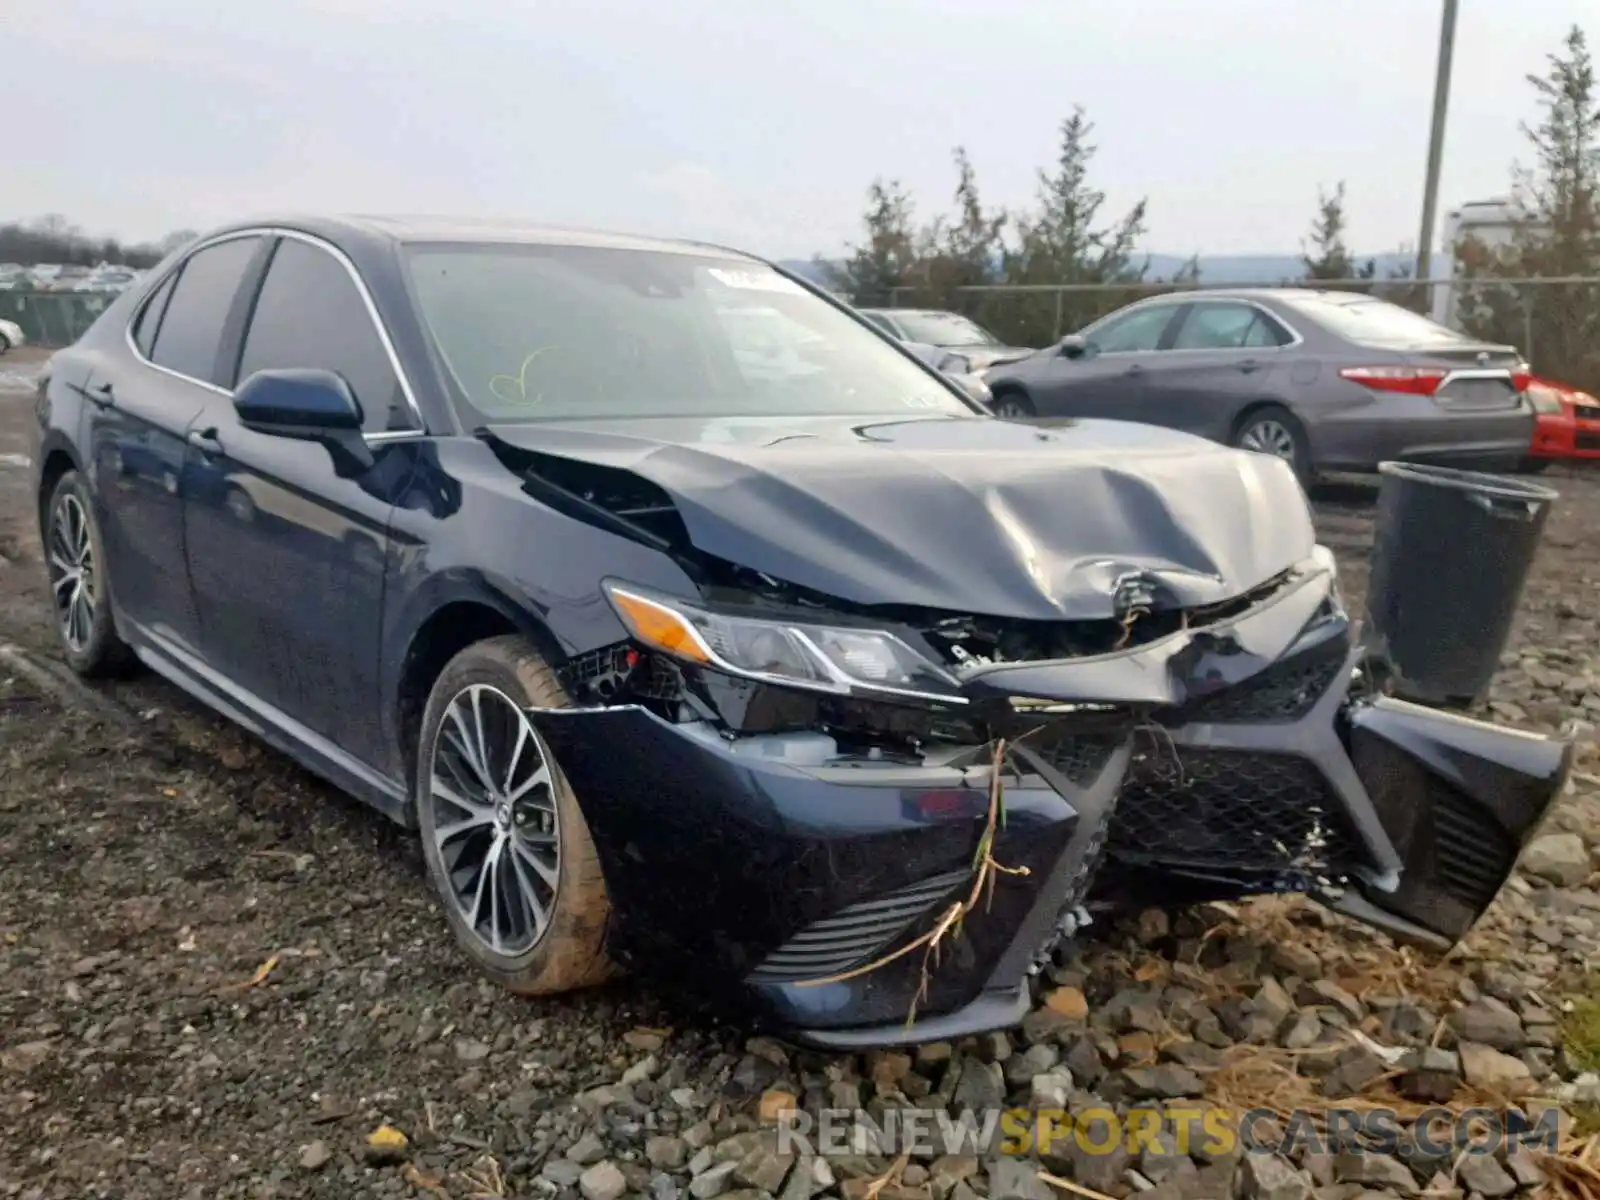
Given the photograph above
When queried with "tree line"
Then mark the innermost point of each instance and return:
(1066, 237)
(54, 239)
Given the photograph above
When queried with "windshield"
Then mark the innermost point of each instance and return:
(943, 329)
(1370, 322)
(535, 333)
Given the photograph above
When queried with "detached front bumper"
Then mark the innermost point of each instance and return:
(1572, 434)
(754, 868)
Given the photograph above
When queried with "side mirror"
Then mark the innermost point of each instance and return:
(309, 406)
(1073, 346)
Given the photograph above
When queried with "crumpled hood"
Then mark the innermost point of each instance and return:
(963, 514)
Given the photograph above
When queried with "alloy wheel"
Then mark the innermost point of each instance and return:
(72, 572)
(1008, 408)
(1269, 437)
(495, 824)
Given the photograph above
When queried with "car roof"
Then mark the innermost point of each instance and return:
(1262, 293)
(372, 228)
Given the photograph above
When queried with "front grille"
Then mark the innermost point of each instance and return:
(1285, 691)
(1079, 758)
(1472, 854)
(855, 934)
(1587, 441)
(1229, 811)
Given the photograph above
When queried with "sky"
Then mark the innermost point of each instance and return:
(758, 123)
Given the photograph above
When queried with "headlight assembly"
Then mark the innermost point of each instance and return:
(824, 658)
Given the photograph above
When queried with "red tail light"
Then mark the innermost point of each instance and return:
(1522, 378)
(1415, 381)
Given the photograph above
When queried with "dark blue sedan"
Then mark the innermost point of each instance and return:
(719, 664)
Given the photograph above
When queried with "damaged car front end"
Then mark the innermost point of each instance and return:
(797, 768)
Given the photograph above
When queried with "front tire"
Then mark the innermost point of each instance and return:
(5, 343)
(1274, 430)
(1012, 405)
(506, 845)
(80, 589)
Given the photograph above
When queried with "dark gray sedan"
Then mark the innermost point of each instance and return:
(1323, 379)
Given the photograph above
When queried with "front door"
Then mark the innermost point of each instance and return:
(287, 556)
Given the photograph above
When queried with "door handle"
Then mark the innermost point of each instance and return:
(1136, 369)
(1249, 365)
(205, 441)
(101, 395)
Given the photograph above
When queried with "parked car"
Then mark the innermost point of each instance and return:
(949, 331)
(1567, 427)
(10, 335)
(955, 366)
(712, 676)
(1322, 379)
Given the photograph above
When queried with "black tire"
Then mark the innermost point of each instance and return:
(1273, 429)
(80, 586)
(1012, 404)
(569, 952)
(1533, 466)
(5, 343)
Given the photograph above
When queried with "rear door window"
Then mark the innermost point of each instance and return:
(1227, 326)
(190, 337)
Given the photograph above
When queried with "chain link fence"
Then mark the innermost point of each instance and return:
(1555, 322)
(53, 318)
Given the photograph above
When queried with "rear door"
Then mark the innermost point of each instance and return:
(1223, 354)
(142, 405)
(1109, 380)
(287, 557)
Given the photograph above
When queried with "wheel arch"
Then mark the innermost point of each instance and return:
(454, 617)
(56, 458)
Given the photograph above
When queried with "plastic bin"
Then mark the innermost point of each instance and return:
(1450, 556)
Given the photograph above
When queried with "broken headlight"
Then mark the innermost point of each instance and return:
(827, 658)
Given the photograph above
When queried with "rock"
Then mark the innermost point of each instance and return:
(1524, 1168)
(981, 1088)
(315, 1156)
(666, 1153)
(1035, 1060)
(1485, 1066)
(1083, 1060)
(1134, 1008)
(470, 1050)
(1374, 1171)
(1298, 959)
(562, 1172)
(1355, 1070)
(713, 1181)
(1482, 1174)
(1300, 1031)
(1327, 992)
(1069, 1002)
(1272, 1001)
(948, 1170)
(1491, 1022)
(1431, 1075)
(1050, 1090)
(603, 1181)
(1268, 1177)
(647, 1041)
(586, 1150)
(1168, 1081)
(774, 1103)
(1017, 1179)
(1558, 858)
(764, 1168)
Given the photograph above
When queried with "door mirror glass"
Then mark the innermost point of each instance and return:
(297, 403)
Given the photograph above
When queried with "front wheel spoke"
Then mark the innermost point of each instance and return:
(516, 755)
(549, 872)
(475, 912)
(465, 742)
(467, 804)
(62, 584)
(85, 613)
(453, 830)
(538, 917)
(541, 775)
(496, 897)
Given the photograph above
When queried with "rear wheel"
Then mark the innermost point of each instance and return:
(1534, 466)
(1274, 430)
(1011, 405)
(80, 590)
(507, 847)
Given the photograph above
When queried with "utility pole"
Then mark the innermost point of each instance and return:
(1441, 102)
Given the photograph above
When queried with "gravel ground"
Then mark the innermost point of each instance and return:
(222, 978)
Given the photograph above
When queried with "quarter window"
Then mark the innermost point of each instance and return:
(190, 333)
(1134, 331)
(310, 315)
(144, 332)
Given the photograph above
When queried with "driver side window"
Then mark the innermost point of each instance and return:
(1139, 330)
